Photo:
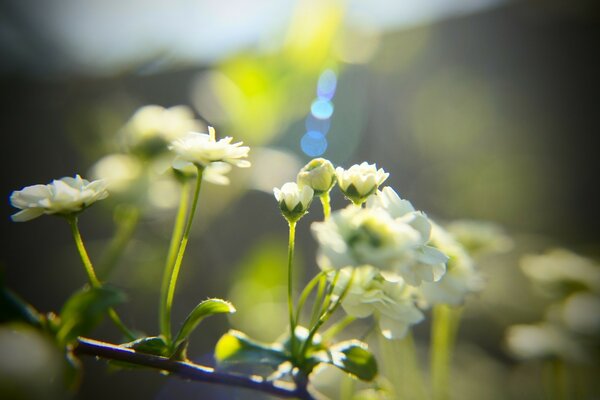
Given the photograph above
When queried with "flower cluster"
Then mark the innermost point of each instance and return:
(384, 257)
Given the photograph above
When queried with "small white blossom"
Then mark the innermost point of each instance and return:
(202, 149)
(63, 196)
(544, 340)
(360, 181)
(461, 277)
(152, 127)
(318, 174)
(372, 236)
(392, 303)
(293, 201)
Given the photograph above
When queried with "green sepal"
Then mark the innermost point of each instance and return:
(84, 310)
(235, 347)
(204, 309)
(351, 356)
(354, 196)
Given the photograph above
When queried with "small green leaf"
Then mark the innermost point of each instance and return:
(204, 309)
(151, 345)
(234, 347)
(84, 310)
(353, 357)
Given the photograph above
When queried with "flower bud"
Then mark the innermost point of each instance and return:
(318, 174)
(293, 201)
(360, 181)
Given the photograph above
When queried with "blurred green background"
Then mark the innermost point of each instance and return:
(480, 109)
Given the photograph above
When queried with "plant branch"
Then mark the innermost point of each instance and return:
(189, 370)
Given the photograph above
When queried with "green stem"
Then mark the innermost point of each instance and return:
(444, 328)
(325, 202)
(179, 258)
(336, 328)
(127, 221)
(292, 236)
(559, 380)
(164, 314)
(326, 314)
(318, 299)
(306, 292)
(92, 278)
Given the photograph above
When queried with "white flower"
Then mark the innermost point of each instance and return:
(119, 171)
(544, 340)
(293, 201)
(152, 127)
(201, 149)
(429, 263)
(360, 181)
(64, 196)
(461, 277)
(559, 269)
(318, 174)
(372, 236)
(392, 303)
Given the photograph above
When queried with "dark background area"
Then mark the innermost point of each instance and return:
(531, 166)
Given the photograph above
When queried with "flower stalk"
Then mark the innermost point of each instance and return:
(292, 236)
(92, 277)
(444, 328)
(170, 293)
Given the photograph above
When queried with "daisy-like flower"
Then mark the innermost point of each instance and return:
(461, 277)
(153, 127)
(360, 181)
(393, 240)
(202, 149)
(63, 196)
(428, 263)
(293, 200)
(392, 303)
(318, 174)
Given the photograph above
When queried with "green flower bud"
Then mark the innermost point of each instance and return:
(318, 174)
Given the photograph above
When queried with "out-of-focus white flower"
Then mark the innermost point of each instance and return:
(119, 171)
(318, 174)
(480, 236)
(392, 303)
(63, 196)
(202, 149)
(561, 270)
(396, 246)
(580, 313)
(543, 340)
(293, 200)
(152, 127)
(461, 277)
(360, 181)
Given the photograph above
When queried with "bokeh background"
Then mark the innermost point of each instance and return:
(479, 109)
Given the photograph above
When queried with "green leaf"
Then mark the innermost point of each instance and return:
(353, 357)
(84, 310)
(204, 309)
(151, 345)
(234, 347)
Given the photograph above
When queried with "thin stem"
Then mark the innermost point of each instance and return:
(178, 260)
(306, 292)
(325, 202)
(164, 314)
(189, 370)
(400, 364)
(326, 314)
(92, 278)
(336, 328)
(292, 236)
(444, 328)
(125, 229)
(318, 299)
(85, 258)
(559, 380)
